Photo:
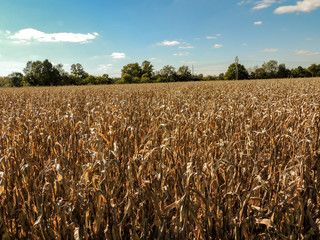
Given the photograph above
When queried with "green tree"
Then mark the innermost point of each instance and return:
(147, 67)
(168, 74)
(64, 76)
(126, 78)
(78, 71)
(231, 72)
(184, 73)
(41, 74)
(15, 79)
(132, 69)
(283, 72)
(145, 78)
(300, 72)
(260, 73)
(271, 68)
(314, 69)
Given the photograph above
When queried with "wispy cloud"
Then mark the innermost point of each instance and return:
(306, 53)
(244, 2)
(189, 62)
(181, 54)
(29, 35)
(263, 4)
(186, 47)
(170, 43)
(270, 50)
(218, 46)
(301, 6)
(116, 55)
(214, 37)
(309, 39)
(258, 23)
(155, 59)
(103, 67)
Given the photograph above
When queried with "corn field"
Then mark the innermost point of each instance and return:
(201, 160)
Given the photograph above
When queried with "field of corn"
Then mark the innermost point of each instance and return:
(209, 160)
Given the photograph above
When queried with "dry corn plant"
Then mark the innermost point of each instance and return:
(214, 160)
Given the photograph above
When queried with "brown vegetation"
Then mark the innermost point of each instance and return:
(209, 160)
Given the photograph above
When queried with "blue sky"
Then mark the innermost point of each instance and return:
(104, 35)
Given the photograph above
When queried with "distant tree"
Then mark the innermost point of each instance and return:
(147, 67)
(5, 82)
(64, 76)
(231, 72)
(131, 69)
(41, 74)
(15, 79)
(184, 73)
(146, 78)
(270, 68)
(221, 76)
(283, 72)
(78, 71)
(260, 73)
(300, 72)
(314, 69)
(210, 78)
(168, 74)
(106, 79)
(126, 78)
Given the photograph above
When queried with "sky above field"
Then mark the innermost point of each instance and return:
(104, 35)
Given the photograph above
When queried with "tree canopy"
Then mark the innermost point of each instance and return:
(44, 73)
(231, 73)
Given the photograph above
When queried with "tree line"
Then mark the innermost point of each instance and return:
(44, 73)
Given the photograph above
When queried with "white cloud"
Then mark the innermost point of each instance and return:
(218, 46)
(263, 4)
(309, 39)
(29, 34)
(103, 67)
(169, 43)
(155, 59)
(301, 6)
(270, 50)
(181, 54)
(306, 53)
(189, 62)
(244, 44)
(116, 55)
(258, 23)
(186, 47)
(214, 37)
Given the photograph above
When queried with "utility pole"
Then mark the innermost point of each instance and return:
(236, 61)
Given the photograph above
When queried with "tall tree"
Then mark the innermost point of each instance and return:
(78, 71)
(231, 72)
(184, 73)
(168, 73)
(300, 72)
(147, 68)
(131, 69)
(271, 68)
(314, 69)
(283, 72)
(41, 73)
(15, 79)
